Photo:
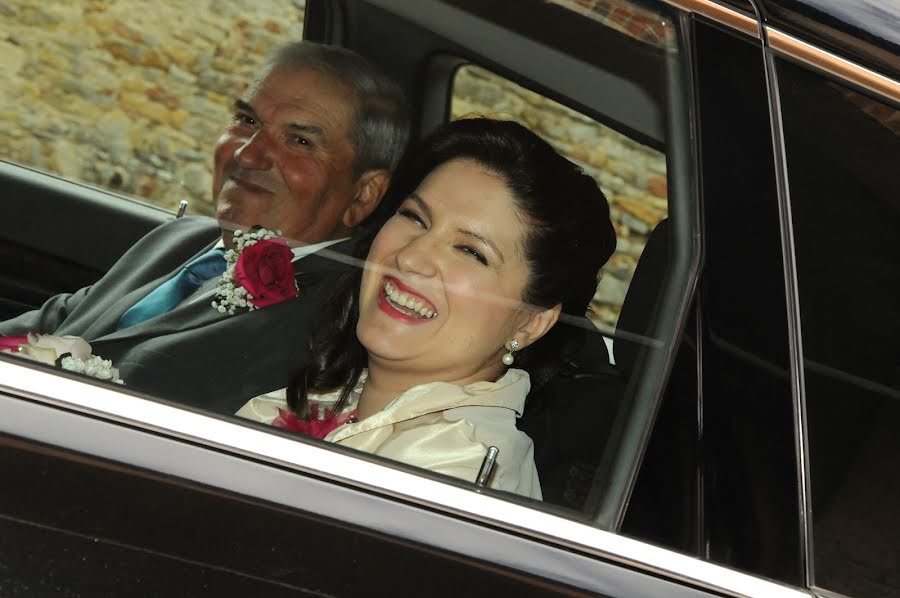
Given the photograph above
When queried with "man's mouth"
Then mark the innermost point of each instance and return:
(406, 304)
(249, 186)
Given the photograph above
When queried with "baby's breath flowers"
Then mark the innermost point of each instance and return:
(94, 366)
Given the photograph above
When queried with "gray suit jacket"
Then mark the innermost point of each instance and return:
(193, 354)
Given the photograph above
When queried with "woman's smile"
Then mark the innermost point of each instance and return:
(399, 301)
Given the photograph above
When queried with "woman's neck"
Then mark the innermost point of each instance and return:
(380, 389)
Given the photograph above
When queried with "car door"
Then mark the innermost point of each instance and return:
(795, 144)
(60, 235)
(107, 493)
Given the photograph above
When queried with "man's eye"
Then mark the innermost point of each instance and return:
(473, 252)
(412, 215)
(301, 140)
(244, 119)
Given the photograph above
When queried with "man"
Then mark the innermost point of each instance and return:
(308, 152)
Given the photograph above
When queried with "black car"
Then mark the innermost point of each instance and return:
(730, 428)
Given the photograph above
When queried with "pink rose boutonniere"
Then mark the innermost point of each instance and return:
(258, 272)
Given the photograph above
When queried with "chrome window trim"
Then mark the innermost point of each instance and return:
(793, 47)
(795, 336)
(720, 14)
(105, 402)
(841, 68)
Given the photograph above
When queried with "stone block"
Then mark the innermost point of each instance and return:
(12, 58)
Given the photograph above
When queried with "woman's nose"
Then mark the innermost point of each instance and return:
(255, 152)
(417, 256)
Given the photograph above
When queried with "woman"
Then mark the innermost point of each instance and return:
(496, 234)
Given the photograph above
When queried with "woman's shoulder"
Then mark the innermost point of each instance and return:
(493, 426)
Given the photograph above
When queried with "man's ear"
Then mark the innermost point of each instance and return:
(370, 188)
(537, 324)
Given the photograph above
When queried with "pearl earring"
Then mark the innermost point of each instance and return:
(508, 356)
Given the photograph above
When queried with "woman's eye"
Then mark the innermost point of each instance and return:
(474, 253)
(412, 215)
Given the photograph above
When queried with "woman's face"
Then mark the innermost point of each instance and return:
(442, 289)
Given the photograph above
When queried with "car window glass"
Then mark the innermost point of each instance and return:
(589, 423)
(843, 148)
(130, 99)
(610, 392)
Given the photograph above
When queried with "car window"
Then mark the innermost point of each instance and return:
(127, 99)
(621, 115)
(626, 142)
(842, 150)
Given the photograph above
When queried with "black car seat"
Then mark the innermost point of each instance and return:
(639, 308)
(570, 419)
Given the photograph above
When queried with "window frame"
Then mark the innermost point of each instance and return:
(607, 502)
(62, 410)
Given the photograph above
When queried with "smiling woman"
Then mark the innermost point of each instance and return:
(496, 234)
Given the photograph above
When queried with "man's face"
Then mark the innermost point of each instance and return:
(285, 160)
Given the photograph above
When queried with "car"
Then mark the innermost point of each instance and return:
(728, 428)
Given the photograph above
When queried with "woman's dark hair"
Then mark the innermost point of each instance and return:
(569, 236)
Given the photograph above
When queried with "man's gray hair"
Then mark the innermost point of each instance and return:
(381, 130)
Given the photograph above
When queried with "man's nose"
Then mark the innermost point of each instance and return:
(255, 152)
(418, 256)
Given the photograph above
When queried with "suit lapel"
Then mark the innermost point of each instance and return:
(196, 311)
(158, 325)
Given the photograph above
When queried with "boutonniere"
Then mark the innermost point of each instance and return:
(258, 272)
(71, 353)
(315, 426)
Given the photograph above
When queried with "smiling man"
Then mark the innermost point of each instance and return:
(308, 152)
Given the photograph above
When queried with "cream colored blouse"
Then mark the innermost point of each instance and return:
(441, 427)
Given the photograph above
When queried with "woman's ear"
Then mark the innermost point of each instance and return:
(370, 188)
(537, 325)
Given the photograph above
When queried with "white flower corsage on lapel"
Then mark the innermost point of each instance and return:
(258, 272)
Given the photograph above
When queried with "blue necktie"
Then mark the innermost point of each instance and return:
(176, 289)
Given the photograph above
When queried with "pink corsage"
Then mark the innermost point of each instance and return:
(13, 343)
(314, 426)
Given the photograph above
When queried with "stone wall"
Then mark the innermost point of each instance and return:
(131, 95)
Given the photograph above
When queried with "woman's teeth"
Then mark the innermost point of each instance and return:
(409, 304)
